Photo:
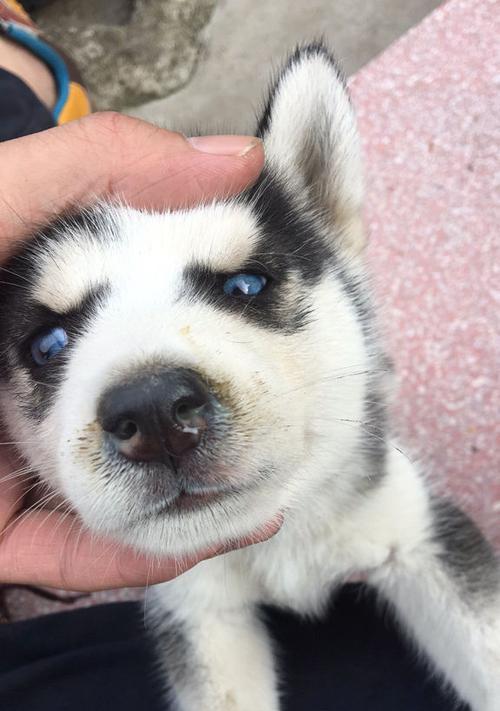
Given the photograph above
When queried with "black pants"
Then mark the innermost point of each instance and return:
(21, 113)
(100, 659)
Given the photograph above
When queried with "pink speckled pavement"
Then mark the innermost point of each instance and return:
(429, 114)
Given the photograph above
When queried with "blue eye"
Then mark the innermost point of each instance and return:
(49, 344)
(244, 285)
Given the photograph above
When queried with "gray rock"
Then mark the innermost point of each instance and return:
(129, 51)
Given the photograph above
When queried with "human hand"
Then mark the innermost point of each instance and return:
(102, 156)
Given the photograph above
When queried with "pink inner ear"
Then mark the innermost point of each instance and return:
(428, 112)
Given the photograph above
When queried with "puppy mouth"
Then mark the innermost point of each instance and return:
(189, 501)
(186, 502)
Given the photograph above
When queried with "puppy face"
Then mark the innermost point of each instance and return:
(182, 377)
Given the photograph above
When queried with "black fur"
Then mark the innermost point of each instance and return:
(464, 551)
(375, 424)
(22, 317)
(290, 246)
(290, 239)
(374, 431)
(174, 648)
(301, 52)
(22, 320)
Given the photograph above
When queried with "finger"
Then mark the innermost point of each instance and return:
(13, 477)
(47, 548)
(107, 155)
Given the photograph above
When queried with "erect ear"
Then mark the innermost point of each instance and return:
(311, 140)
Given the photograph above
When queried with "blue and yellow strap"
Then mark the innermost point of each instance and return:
(72, 98)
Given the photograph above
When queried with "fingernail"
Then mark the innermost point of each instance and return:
(225, 145)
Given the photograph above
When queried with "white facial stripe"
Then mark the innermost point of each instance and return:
(137, 248)
(70, 268)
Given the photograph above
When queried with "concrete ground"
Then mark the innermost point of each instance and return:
(185, 62)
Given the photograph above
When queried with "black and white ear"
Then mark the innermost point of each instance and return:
(311, 140)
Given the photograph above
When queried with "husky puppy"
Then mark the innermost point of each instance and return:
(183, 378)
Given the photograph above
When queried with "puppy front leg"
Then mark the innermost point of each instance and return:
(218, 661)
(447, 594)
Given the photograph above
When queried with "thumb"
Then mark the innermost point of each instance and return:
(106, 155)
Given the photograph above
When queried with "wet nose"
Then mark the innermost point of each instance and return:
(157, 416)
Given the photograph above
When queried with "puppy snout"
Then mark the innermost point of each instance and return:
(157, 416)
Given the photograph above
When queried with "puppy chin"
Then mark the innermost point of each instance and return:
(210, 528)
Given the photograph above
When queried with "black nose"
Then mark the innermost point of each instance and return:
(157, 416)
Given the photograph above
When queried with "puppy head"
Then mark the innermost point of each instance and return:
(181, 377)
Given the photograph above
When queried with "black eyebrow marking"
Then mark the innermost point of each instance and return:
(290, 239)
(23, 320)
(40, 318)
(23, 316)
(290, 250)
